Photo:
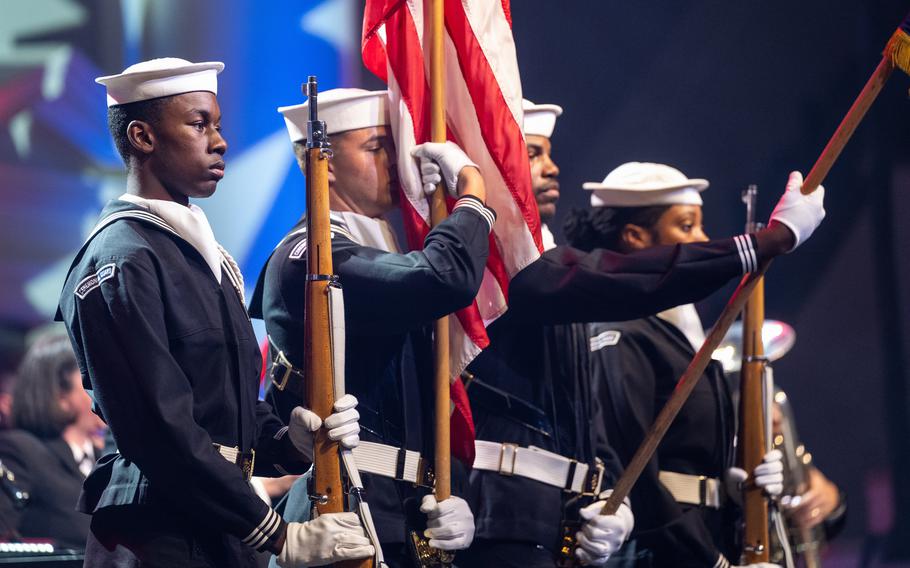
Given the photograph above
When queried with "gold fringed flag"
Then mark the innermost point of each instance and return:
(898, 48)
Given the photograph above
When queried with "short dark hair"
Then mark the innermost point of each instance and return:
(43, 378)
(120, 116)
(601, 227)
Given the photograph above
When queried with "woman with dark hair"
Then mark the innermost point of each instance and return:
(50, 449)
(682, 507)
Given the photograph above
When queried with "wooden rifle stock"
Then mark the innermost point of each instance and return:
(752, 443)
(318, 354)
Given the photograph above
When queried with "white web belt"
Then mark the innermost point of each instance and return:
(396, 463)
(692, 489)
(540, 465)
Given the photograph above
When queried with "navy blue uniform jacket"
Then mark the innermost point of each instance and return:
(170, 359)
(541, 364)
(389, 301)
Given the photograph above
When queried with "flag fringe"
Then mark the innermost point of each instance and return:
(898, 50)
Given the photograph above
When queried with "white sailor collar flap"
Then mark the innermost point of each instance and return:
(87, 284)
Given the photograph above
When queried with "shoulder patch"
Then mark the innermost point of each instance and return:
(605, 339)
(93, 281)
(334, 231)
(298, 250)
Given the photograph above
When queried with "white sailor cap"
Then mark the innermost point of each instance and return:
(341, 110)
(643, 184)
(160, 78)
(540, 120)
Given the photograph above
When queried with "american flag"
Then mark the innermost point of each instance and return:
(484, 117)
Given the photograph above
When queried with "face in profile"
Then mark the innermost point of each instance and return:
(78, 404)
(363, 171)
(680, 224)
(188, 148)
(544, 175)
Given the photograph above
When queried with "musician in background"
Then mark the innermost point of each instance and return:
(818, 504)
(683, 508)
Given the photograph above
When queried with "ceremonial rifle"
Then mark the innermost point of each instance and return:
(896, 54)
(752, 404)
(319, 351)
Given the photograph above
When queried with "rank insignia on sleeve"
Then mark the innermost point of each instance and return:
(298, 250)
(93, 281)
(605, 339)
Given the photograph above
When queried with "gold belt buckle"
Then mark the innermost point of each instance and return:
(426, 477)
(247, 464)
(502, 453)
(594, 478)
(282, 360)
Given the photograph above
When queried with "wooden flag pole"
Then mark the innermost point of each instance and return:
(697, 367)
(438, 214)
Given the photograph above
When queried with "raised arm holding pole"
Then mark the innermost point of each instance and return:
(897, 53)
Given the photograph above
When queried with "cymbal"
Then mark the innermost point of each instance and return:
(777, 336)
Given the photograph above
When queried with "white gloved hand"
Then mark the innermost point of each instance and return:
(800, 213)
(450, 523)
(441, 162)
(325, 540)
(602, 535)
(769, 475)
(342, 425)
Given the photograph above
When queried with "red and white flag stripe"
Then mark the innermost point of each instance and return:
(483, 116)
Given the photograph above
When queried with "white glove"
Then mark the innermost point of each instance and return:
(769, 475)
(800, 213)
(325, 540)
(441, 162)
(602, 535)
(342, 424)
(450, 523)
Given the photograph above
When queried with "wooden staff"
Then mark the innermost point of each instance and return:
(318, 355)
(438, 214)
(897, 52)
(752, 443)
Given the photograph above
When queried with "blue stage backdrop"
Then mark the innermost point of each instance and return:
(58, 165)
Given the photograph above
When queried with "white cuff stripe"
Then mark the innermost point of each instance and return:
(261, 533)
(280, 433)
(752, 254)
(750, 250)
(746, 253)
(479, 208)
(742, 257)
